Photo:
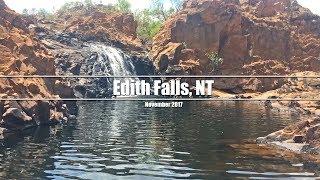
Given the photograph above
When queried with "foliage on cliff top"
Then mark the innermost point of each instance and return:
(150, 20)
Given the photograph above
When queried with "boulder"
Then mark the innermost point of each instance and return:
(16, 119)
(33, 88)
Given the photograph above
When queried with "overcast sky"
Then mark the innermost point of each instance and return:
(19, 5)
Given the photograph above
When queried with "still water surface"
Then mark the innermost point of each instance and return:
(112, 140)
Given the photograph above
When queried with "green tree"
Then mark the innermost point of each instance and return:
(25, 12)
(88, 3)
(151, 20)
(159, 11)
(42, 12)
(33, 11)
(148, 26)
(123, 5)
(216, 60)
(69, 5)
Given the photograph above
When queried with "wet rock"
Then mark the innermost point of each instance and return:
(63, 89)
(16, 119)
(72, 117)
(295, 147)
(298, 139)
(143, 65)
(56, 117)
(261, 140)
(33, 88)
(75, 69)
(302, 137)
(2, 103)
(80, 90)
(42, 113)
(11, 104)
(95, 59)
(163, 63)
(80, 49)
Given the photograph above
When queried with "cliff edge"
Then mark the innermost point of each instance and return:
(23, 54)
(252, 37)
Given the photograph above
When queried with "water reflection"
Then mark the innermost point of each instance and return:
(28, 154)
(122, 139)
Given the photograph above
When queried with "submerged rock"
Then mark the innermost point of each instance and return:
(16, 119)
(301, 137)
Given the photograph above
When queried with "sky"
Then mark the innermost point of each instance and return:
(50, 5)
(19, 5)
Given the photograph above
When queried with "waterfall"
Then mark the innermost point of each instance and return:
(109, 61)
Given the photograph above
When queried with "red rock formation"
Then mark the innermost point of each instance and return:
(102, 25)
(22, 54)
(254, 37)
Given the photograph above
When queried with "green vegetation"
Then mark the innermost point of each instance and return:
(68, 6)
(123, 6)
(41, 13)
(216, 60)
(88, 3)
(25, 12)
(150, 20)
(185, 45)
(158, 10)
(148, 26)
(44, 14)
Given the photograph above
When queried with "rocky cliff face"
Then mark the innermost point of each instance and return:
(98, 23)
(93, 41)
(22, 54)
(80, 41)
(254, 37)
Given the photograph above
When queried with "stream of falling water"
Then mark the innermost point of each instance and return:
(112, 62)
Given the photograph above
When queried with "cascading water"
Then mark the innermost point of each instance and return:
(107, 61)
(77, 56)
(111, 61)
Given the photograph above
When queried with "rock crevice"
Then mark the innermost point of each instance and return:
(23, 54)
(253, 37)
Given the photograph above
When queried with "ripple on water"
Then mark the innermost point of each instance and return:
(122, 139)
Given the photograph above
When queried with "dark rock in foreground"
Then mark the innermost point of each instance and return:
(23, 54)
